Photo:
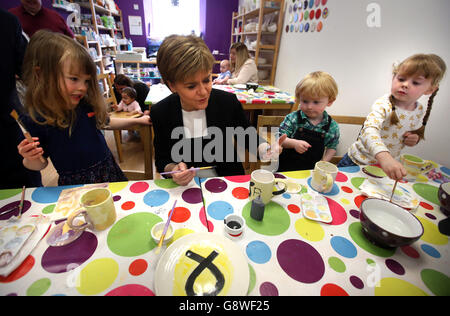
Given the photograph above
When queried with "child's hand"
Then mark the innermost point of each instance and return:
(273, 151)
(184, 177)
(390, 166)
(301, 146)
(410, 139)
(30, 150)
(144, 120)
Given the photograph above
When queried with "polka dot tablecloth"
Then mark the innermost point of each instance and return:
(287, 254)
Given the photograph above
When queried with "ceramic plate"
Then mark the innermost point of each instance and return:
(240, 86)
(202, 264)
(272, 89)
(383, 190)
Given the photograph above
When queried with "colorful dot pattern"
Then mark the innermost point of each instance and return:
(287, 254)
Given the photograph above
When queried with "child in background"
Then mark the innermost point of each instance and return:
(66, 112)
(312, 135)
(129, 103)
(225, 72)
(398, 119)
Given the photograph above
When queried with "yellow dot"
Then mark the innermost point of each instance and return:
(117, 186)
(180, 233)
(302, 174)
(421, 178)
(397, 287)
(431, 233)
(97, 276)
(345, 201)
(309, 230)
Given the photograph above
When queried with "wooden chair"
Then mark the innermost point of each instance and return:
(350, 120)
(146, 133)
(264, 124)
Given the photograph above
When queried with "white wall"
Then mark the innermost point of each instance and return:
(360, 59)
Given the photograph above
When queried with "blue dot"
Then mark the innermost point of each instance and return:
(431, 251)
(445, 170)
(49, 194)
(351, 169)
(344, 247)
(286, 196)
(258, 252)
(335, 190)
(199, 180)
(220, 209)
(156, 198)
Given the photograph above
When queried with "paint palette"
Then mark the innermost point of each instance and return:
(202, 264)
(13, 236)
(315, 207)
(382, 189)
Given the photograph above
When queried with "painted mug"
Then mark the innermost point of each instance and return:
(415, 165)
(323, 176)
(262, 184)
(97, 207)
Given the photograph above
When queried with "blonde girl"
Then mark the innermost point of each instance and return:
(243, 68)
(66, 112)
(398, 119)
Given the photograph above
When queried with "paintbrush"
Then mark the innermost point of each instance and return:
(163, 235)
(24, 130)
(393, 191)
(192, 169)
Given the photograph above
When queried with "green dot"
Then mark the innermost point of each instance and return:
(131, 236)
(5, 194)
(436, 282)
(39, 287)
(166, 183)
(358, 237)
(357, 181)
(275, 222)
(337, 264)
(48, 209)
(427, 191)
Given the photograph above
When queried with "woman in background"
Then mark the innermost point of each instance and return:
(243, 68)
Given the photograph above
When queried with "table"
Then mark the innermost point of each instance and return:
(261, 100)
(287, 254)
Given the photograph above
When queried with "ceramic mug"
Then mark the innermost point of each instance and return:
(444, 197)
(415, 165)
(323, 176)
(234, 225)
(97, 207)
(262, 184)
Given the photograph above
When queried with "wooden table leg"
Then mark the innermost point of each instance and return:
(118, 139)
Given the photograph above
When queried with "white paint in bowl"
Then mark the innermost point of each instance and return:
(392, 218)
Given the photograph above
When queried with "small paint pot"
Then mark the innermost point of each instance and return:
(234, 225)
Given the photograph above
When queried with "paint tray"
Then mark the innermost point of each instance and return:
(315, 207)
(13, 236)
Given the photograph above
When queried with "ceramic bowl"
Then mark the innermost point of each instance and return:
(251, 85)
(157, 231)
(444, 197)
(388, 224)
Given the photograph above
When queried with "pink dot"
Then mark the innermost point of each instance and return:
(340, 177)
(139, 187)
(337, 212)
(131, 290)
(202, 217)
(239, 179)
(410, 252)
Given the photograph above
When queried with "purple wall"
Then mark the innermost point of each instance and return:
(215, 20)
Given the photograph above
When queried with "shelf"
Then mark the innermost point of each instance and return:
(238, 23)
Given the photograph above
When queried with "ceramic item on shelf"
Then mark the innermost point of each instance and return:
(388, 224)
(202, 264)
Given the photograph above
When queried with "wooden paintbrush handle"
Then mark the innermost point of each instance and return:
(30, 139)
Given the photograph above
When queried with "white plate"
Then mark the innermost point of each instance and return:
(272, 89)
(180, 273)
(240, 86)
